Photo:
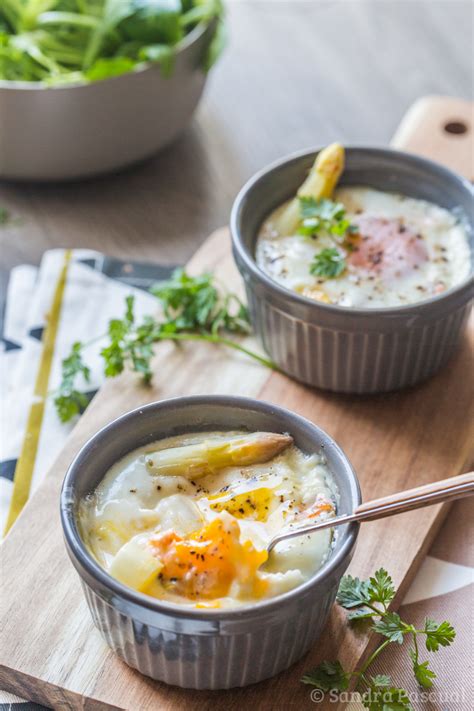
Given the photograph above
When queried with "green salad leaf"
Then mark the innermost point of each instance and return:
(153, 21)
(109, 67)
(73, 41)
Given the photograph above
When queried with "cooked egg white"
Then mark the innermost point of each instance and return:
(203, 542)
(407, 250)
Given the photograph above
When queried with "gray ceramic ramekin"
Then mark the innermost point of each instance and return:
(346, 349)
(205, 649)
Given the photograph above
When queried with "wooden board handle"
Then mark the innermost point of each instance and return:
(440, 128)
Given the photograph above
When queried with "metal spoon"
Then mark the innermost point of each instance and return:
(445, 490)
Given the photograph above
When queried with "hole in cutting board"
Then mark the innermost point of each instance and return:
(456, 127)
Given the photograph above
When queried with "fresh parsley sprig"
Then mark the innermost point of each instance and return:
(370, 599)
(323, 215)
(328, 217)
(70, 401)
(194, 310)
(328, 263)
(195, 303)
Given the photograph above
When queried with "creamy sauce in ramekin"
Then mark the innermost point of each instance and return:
(403, 251)
(211, 531)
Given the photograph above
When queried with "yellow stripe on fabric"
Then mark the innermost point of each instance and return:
(26, 461)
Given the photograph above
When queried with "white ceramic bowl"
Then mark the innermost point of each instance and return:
(68, 132)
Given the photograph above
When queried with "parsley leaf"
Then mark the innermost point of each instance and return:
(381, 680)
(195, 309)
(323, 215)
(326, 216)
(328, 263)
(381, 587)
(322, 209)
(74, 364)
(423, 674)
(129, 344)
(68, 400)
(361, 597)
(327, 676)
(195, 303)
(70, 403)
(352, 592)
(386, 699)
(438, 635)
(391, 626)
(361, 613)
(341, 227)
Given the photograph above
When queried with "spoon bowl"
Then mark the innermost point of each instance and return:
(436, 492)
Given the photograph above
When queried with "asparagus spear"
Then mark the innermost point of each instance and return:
(210, 455)
(135, 565)
(321, 181)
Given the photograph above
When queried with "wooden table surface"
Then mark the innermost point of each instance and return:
(295, 74)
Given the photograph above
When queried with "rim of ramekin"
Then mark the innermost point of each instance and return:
(250, 263)
(186, 42)
(85, 560)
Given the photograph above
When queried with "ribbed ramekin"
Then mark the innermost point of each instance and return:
(195, 648)
(340, 348)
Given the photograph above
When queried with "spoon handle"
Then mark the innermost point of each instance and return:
(436, 492)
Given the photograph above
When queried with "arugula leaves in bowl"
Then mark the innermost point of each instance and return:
(74, 41)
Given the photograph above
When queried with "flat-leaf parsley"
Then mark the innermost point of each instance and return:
(329, 218)
(194, 310)
(372, 598)
(323, 215)
(328, 263)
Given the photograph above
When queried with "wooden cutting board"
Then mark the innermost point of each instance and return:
(50, 651)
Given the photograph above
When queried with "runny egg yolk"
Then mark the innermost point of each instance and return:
(206, 563)
(254, 504)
